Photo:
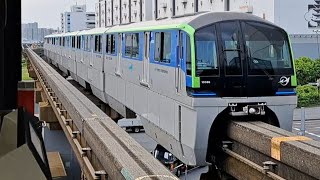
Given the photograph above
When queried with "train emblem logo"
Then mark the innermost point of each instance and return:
(284, 81)
(313, 15)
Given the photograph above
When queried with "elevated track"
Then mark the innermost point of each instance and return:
(256, 150)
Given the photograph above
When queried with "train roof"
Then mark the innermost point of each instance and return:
(53, 35)
(196, 21)
(71, 33)
(193, 22)
(214, 17)
(94, 31)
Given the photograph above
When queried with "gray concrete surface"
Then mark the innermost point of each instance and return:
(312, 123)
(311, 113)
(144, 140)
(312, 129)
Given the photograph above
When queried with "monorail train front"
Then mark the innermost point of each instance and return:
(244, 59)
(242, 69)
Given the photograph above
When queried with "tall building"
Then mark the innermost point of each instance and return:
(32, 33)
(77, 19)
(300, 18)
(42, 32)
(114, 12)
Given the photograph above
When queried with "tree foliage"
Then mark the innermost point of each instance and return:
(307, 96)
(306, 70)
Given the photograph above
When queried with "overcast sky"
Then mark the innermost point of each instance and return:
(47, 12)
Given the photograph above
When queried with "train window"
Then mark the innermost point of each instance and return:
(188, 58)
(135, 45)
(79, 42)
(98, 44)
(90, 39)
(132, 45)
(111, 49)
(206, 52)
(68, 42)
(163, 47)
(113, 44)
(128, 46)
(108, 44)
(267, 49)
(73, 43)
(86, 41)
(231, 46)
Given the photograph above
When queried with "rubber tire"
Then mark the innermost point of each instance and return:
(178, 173)
(136, 130)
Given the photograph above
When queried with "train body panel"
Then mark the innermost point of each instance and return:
(72, 65)
(184, 75)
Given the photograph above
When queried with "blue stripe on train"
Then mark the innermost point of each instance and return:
(284, 93)
(189, 81)
(204, 94)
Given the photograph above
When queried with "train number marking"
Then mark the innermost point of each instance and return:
(205, 82)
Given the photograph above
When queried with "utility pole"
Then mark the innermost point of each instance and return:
(317, 31)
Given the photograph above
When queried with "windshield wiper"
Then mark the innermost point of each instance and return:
(259, 67)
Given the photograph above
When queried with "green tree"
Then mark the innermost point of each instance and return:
(306, 70)
(316, 70)
(307, 96)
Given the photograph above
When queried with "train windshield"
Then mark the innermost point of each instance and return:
(267, 49)
(206, 52)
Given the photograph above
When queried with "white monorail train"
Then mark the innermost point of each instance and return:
(183, 75)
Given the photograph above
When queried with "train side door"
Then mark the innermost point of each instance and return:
(82, 49)
(91, 42)
(146, 59)
(118, 68)
(180, 60)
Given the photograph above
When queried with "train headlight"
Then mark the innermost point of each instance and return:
(252, 111)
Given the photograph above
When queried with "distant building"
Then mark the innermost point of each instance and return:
(77, 19)
(42, 32)
(32, 33)
(300, 18)
(114, 12)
